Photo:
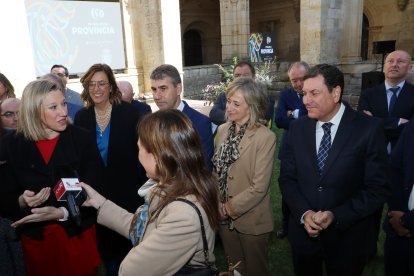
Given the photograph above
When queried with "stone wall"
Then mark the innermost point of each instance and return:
(196, 78)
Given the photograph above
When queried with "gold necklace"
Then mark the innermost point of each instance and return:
(103, 119)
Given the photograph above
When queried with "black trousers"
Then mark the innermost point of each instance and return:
(399, 256)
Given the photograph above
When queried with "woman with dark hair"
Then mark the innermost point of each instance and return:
(113, 124)
(6, 88)
(45, 149)
(166, 232)
(243, 161)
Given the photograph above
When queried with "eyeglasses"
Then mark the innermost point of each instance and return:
(10, 114)
(60, 75)
(100, 84)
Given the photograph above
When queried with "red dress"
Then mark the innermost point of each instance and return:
(57, 253)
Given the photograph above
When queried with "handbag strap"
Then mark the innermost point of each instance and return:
(203, 230)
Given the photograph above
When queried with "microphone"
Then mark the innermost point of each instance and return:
(66, 190)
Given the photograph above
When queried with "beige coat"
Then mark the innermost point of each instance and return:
(167, 243)
(249, 179)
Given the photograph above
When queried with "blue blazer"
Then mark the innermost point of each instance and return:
(353, 186)
(375, 100)
(202, 125)
(142, 108)
(288, 100)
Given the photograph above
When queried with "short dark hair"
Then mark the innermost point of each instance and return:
(166, 70)
(332, 76)
(245, 63)
(60, 66)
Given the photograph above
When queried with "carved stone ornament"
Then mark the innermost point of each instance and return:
(402, 4)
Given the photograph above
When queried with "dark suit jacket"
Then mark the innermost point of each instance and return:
(75, 154)
(375, 100)
(218, 111)
(402, 178)
(123, 175)
(202, 125)
(142, 108)
(288, 100)
(353, 185)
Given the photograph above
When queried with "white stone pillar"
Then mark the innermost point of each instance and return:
(320, 31)
(352, 30)
(235, 28)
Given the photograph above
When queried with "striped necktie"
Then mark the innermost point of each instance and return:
(324, 147)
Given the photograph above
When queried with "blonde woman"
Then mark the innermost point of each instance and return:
(243, 161)
(45, 149)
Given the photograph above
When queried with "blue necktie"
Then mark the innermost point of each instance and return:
(393, 99)
(324, 146)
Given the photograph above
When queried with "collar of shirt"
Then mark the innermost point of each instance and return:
(387, 86)
(181, 106)
(335, 123)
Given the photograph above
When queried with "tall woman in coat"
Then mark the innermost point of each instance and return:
(243, 161)
(113, 124)
(45, 149)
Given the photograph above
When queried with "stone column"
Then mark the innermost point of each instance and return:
(320, 31)
(158, 35)
(235, 28)
(352, 30)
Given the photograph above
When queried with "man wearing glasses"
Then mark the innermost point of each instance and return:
(10, 113)
(71, 96)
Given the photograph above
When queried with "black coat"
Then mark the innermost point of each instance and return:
(75, 155)
(123, 175)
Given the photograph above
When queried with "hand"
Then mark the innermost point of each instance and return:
(31, 199)
(40, 214)
(368, 112)
(323, 218)
(289, 113)
(394, 219)
(223, 211)
(310, 226)
(94, 199)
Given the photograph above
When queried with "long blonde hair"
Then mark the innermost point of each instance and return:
(30, 119)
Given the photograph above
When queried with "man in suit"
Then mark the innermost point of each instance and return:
(391, 101)
(166, 89)
(218, 111)
(332, 178)
(290, 107)
(394, 108)
(399, 225)
(128, 96)
(71, 96)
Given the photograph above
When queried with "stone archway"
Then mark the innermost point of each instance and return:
(364, 37)
(193, 48)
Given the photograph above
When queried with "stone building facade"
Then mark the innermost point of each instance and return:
(194, 35)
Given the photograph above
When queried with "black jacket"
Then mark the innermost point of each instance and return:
(75, 155)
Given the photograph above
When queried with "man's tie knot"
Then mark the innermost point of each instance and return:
(327, 128)
(394, 90)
